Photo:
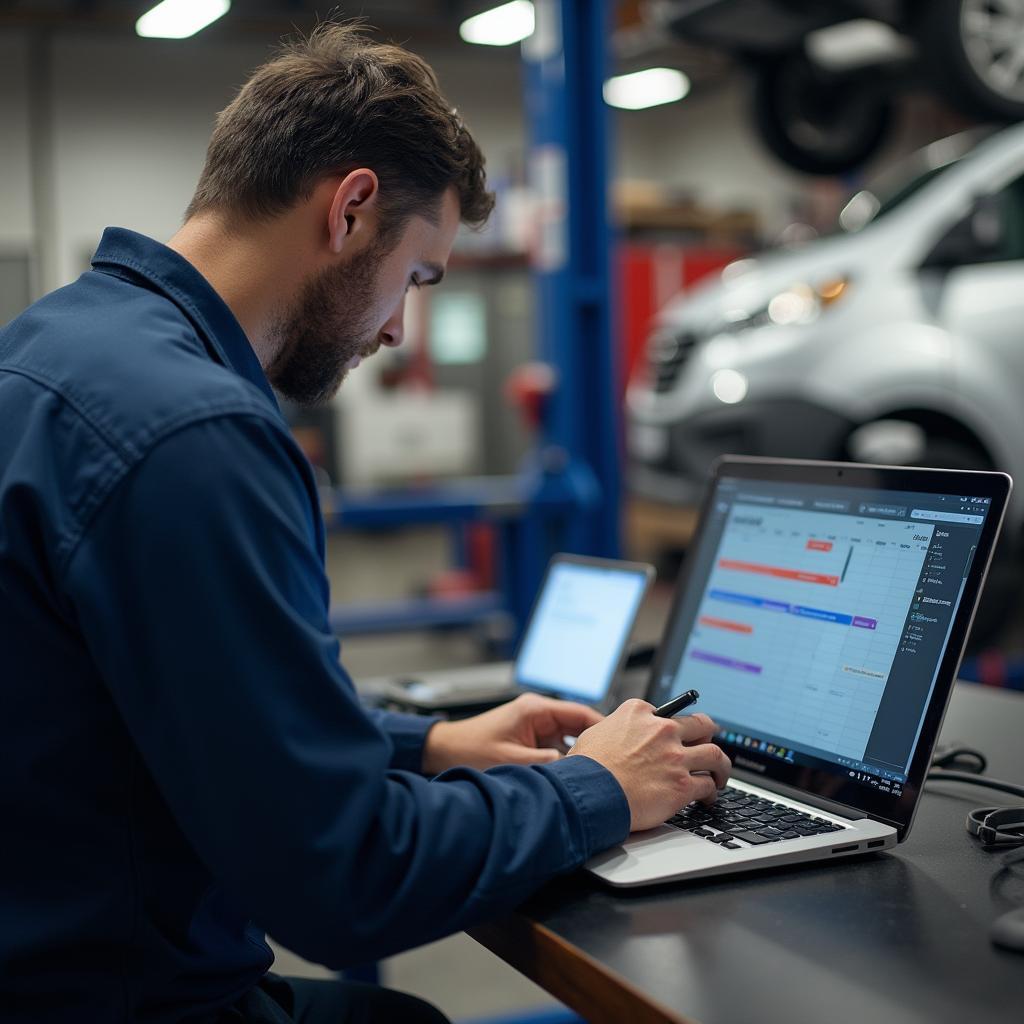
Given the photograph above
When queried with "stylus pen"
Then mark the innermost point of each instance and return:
(674, 706)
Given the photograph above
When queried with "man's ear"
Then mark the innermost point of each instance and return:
(353, 209)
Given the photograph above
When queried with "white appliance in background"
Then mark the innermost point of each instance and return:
(386, 438)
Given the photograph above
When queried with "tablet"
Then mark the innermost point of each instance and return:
(576, 638)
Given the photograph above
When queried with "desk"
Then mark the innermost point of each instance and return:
(891, 938)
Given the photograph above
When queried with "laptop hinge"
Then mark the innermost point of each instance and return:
(841, 810)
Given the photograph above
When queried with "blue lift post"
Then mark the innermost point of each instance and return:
(565, 64)
(567, 495)
(565, 67)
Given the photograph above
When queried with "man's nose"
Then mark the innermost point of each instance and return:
(392, 331)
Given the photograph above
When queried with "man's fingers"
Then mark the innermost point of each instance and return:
(709, 758)
(514, 753)
(560, 717)
(697, 728)
(704, 789)
(544, 755)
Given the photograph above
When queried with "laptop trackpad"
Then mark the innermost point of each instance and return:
(655, 843)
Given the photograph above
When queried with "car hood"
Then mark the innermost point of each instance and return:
(746, 286)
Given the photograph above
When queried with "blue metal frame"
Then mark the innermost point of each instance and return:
(487, 607)
(567, 496)
(565, 64)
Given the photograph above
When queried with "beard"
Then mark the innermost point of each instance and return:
(329, 325)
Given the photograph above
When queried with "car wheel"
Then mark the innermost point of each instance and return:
(818, 121)
(973, 52)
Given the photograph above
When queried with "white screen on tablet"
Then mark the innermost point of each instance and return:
(579, 627)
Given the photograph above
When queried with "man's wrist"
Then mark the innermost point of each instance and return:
(436, 748)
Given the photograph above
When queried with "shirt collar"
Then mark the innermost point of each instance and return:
(172, 275)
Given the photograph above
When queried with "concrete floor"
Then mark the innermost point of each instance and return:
(457, 975)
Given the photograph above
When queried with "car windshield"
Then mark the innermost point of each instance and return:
(909, 176)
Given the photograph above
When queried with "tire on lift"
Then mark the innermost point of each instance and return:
(819, 121)
(943, 42)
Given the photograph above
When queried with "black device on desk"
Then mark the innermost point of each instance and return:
(573, 645)
(822, 615)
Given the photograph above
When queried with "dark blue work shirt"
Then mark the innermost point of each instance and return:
(183, 762)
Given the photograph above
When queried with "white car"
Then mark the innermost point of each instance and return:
(898, 340)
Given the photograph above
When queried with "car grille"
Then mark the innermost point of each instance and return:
(667, 352)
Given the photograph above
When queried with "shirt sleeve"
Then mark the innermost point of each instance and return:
(408, 734)
(201, 595)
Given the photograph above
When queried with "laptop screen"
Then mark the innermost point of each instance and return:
(815, 618)
(580, 625)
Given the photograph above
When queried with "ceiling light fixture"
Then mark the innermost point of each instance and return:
(501, 26)
(646, 88)
(179, 19)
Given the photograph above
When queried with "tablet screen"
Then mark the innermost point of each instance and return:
(579, 628)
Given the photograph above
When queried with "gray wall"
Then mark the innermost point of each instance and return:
(121, 127)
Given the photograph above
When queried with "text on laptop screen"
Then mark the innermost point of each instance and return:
(578, 629)
(816, 617)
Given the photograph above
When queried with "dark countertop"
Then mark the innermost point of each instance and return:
(893, 938)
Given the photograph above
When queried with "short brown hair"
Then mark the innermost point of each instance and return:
(329, 103)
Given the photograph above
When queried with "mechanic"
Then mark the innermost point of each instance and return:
(184, 763)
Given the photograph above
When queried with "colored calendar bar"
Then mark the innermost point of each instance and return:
(724, 662)
(778, 572)
(839, 618)
(733, 627)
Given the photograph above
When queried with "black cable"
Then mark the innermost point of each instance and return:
(994, 827)
(960, 758)
(975, 780)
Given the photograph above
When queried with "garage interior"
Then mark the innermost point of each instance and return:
(787, 133)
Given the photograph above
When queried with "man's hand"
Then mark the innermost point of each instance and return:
(654, 760)
(527, 730)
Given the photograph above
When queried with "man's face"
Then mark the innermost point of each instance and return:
(345, 312)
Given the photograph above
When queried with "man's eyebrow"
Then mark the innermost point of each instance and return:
(436, 272)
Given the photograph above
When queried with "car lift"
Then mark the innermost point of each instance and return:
(566, 496)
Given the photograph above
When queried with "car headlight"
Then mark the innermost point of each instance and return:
(800, 303)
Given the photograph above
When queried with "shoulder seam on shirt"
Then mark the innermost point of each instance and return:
(70, 547)
(125, 454)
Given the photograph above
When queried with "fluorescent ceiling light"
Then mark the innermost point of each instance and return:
(646, 88)
(500, 26)
(178, 19)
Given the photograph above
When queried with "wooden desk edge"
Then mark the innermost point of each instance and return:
(587, 986)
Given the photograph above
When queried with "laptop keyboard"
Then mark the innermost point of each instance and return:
(738, 821)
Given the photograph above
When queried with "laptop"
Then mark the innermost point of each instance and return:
(822, 617)
(573, 645)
